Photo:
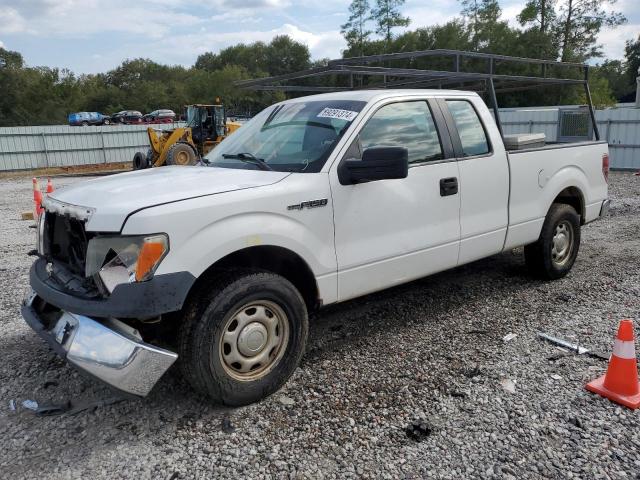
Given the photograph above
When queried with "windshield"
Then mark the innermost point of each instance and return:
(290, 137)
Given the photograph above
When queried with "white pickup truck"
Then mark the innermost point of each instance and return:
(316, 200)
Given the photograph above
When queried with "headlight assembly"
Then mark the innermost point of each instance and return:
(116, 260)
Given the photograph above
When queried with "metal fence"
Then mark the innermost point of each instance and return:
(618, 126)
(23, 148)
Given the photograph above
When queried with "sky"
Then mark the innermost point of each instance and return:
(89, 36)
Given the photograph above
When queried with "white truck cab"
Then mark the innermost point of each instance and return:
(314, 201)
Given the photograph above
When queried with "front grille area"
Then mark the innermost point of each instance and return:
(65, 241)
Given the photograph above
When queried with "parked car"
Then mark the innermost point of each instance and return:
(88, 118)
(160, 116)
(316, 200)
(127, 117)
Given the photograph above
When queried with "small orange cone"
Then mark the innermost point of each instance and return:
(49, 186)
(37, 198)
(620, 383)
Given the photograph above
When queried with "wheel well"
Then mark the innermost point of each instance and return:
(274, 259)
(572, 196)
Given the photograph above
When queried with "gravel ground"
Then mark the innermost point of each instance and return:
(430, 350)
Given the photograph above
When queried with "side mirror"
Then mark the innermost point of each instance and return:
(381, 163)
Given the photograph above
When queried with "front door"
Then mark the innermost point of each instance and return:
(392, 231)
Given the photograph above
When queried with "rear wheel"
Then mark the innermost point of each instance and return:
(243, 336)
(181, 154)
(106, 121)
(555, 252)
(85, 124)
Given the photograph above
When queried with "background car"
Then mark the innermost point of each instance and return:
(88, 118)
(127, 117)
(160, 116)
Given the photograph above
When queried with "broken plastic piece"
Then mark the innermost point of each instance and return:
(52, 409)
(508, 385)
(30, 404)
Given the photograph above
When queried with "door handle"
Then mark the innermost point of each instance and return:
(448, 186)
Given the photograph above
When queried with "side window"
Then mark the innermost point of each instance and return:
(470, 129)
(408, 125)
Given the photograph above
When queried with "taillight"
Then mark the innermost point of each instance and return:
(605, 166)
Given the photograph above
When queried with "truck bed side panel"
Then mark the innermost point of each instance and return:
(539, 175)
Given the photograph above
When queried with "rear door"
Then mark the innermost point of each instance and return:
(484, 177)
(392, 231)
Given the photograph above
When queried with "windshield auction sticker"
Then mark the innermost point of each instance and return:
(337, 113)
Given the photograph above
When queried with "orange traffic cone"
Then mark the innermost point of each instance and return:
(49, 186)
(620, 383)
(37, 198)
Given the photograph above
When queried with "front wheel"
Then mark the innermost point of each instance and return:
(181, 154)
(243, 336)
(555, 252)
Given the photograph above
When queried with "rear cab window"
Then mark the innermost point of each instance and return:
(473, 137)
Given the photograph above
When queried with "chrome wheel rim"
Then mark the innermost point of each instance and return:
(562, 243)
(254, 340)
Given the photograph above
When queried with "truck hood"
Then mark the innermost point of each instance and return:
(107, 201)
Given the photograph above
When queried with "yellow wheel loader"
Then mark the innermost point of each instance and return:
(206, 127)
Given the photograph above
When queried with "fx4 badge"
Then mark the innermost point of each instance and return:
(310, 204)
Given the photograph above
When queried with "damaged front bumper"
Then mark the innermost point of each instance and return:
(108, 350)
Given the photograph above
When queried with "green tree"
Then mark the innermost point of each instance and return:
(355, 30)
(387, 16)
(632, 56)
(483, 19)
(285, 55)
(614, 71)
(539, 17)
(579, 24)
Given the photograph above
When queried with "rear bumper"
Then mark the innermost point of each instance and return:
(108, 350)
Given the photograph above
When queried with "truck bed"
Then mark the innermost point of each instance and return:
(539, 175)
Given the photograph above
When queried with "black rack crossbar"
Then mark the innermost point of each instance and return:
(439, 52)
(484, 81)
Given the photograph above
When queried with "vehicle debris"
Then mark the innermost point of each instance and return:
(418, 430)
(508, 385)
(67, 407)
(12, 405)
(30, 404)
(50, 409)
(566, 346)
(227, 426)
(574, 347)
(509, 337)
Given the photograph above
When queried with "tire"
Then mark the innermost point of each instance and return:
(210, 344)
(85, 124)
(181, 154)
(106, 121)
(555, 252)
(140, 161)
(149, 158)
